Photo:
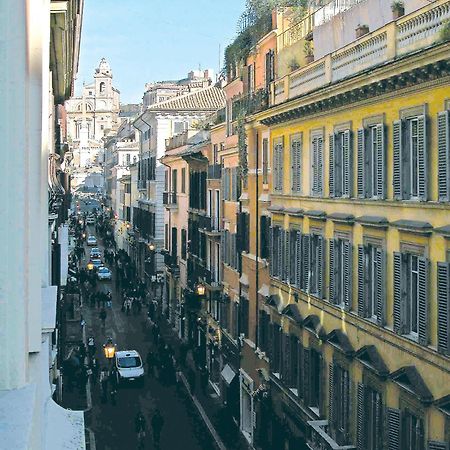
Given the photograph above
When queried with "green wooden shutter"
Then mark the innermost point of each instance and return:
(285, 267)
(347, 156)
(422, 156)
(306, 260)
(362, 303)
(321, 267)
(306, 375)
(423, 275)
(393, 419)
(280, 251)
(348, 275)
(332, 164)
(398, 149)
(331, 394)
(444, 156)
(398, 294)
(381, 161)
(361, 176)
(331, 292)
(360, 418)
(296, 161)
(298, 259)
(443, 307)
(292, 257)
(381, 286)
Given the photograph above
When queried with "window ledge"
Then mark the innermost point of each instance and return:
(414, 226)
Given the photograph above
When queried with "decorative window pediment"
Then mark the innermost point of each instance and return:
(370, 358)
(409, 379)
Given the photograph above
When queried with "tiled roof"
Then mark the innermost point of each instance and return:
(209, 99)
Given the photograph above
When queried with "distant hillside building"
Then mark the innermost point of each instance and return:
(93, 115)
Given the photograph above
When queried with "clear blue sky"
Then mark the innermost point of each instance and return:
(151, 40)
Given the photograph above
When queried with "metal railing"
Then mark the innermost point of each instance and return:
(251, 103)
(169, 198)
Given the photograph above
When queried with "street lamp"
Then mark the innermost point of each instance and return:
(128, 226)
(151, 247)
(201, 290)
(109, 349)
(90, 265)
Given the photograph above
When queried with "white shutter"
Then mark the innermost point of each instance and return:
(443, 307)
(381, 162)
(423, 269)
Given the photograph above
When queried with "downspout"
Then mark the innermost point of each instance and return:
(257, 242)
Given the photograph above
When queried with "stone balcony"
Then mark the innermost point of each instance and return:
(409, 33)
(321, 440)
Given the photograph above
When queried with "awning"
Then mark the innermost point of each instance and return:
(64, 429)
(228, 374)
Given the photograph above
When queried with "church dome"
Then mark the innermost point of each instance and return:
(104, 67)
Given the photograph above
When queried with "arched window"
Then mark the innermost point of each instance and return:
(102, 87)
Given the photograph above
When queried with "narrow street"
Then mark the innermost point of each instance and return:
(113, 425)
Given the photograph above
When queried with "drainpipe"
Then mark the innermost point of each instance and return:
(257, 241)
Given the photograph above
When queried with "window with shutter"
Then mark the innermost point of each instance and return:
(361, 419)
(444, 156)
(398, 156)
(332, 167)
(305, 262)
(331, 294)
(399, 294)
(298, 259)
(306, 370)
(285, 256)
(422, 298)
(317, 166)
(278, 166)
(361, 164)
(296, 164)
(348, 266)
(331, 395)
(347, 163)
(380, 162)
(362, 304)
(422, 160)
(380, 283)
(292, 261)
(393, 423)
(443, 308)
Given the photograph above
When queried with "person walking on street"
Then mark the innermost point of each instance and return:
(91, 346)
(103, 317)
(113, 383)
(150, 363)
(157, 425)
(104, 384)
(140, 425)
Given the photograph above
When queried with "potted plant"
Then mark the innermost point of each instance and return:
(398, 9)
(293, 65)
(444, 32)
(309, 53)
(361, 30)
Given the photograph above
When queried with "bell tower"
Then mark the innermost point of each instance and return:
(103, 80)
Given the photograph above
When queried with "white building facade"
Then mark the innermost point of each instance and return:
(34, 36)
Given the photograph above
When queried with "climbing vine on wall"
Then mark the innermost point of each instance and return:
(243, 150)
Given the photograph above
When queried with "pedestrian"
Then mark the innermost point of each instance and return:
(113, 382)
(109, 300)
(155, 332)
(124, 304)
(128, 306)
(204, 377)
(94, 368)
(140, 425)
(91, 346)
(157, 425)
(103, 317)
(150, 363)
(104, 384)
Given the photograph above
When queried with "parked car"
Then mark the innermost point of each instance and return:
(90, 220)
(104, 273)
(97, 262)
(95, 253)
(91, 240)
(128, 366)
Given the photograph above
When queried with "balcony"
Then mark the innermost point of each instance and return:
(170, 200)
(320, 440)
(204, 223)
(417, 30)
(251, 103)
(171, 263)
(214, 172)
(212, 281)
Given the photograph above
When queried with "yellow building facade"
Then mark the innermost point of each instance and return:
(356, 326)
